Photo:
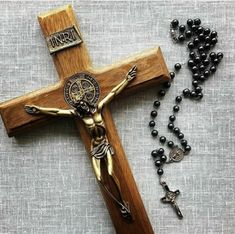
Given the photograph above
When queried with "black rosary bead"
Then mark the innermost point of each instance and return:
(186, 92)
(214, 40)
(172, 75)
(151, 123)
(183, 142)
(176, 108)
(207, 31)
(220, 55)
(154, 113)
(207, 46)
(207, 39)
(203, 56)
(213, 69)
(193, 94)
(194, 28)
(174, 23)
(182, 28)
(201, 67)
(180, 135)
(196, 41)
(195, 76)
(198, 89)
(215, 61)
(199, 95)
(189, 22)
(160, 171)
(162, 93)
(162, 139)
(201, 78)
(178, 99)
(177, 66)
(190, 45)
(176, 130)
(195, 83)
(172, 118)
(213, 34)
(157, 163)
(163, 158)
(167, 85)
(213, 55)
(187, 148)
(201, 37)
(194, 69)
(170, 126)
(206, 62)
(201, 49)
(188, 34)
(200, 30)
(192, 54)
(197, 60)
(197, 21)
(191, 63)
(206, 73)
(154, 153)
(156, 104)
(181, 37)
(170, 144)
(160, 151)
(154, 133)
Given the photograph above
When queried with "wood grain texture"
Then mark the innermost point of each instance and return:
(152, 70)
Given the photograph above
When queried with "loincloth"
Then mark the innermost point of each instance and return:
(100, 151)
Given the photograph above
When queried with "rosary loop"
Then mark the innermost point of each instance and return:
(202, 65)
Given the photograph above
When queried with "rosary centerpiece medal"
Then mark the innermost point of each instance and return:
(176, 154)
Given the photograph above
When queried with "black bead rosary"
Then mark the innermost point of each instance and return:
(200, 41)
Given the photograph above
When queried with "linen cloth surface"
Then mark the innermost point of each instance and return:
(46, 180)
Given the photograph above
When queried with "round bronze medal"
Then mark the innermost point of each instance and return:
(176, 154)
(79, 87)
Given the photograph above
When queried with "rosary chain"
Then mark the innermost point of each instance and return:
(200, 41)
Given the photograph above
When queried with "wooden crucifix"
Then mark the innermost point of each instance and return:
(83, 92)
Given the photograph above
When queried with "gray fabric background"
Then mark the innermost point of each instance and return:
(47, 184)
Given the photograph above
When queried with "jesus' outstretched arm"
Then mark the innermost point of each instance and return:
(35, 110)
(117, 89)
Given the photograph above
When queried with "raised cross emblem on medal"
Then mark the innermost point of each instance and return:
(81, 86)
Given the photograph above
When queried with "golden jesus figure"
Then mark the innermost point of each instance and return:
(100, 146)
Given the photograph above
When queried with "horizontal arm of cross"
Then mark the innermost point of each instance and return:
(151, 70)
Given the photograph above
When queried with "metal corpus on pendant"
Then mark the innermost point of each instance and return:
(170, 198)
(176, 154)
(79, 87)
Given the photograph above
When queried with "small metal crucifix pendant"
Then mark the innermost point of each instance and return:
(170, 198)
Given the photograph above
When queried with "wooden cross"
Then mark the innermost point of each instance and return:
(71, 57)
